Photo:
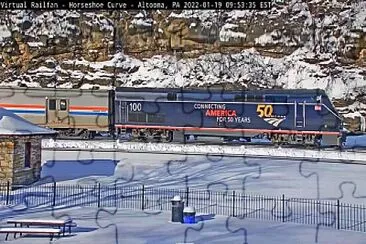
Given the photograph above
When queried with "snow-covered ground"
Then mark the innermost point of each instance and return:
(272, 152)
(265, 176)
(124, 226)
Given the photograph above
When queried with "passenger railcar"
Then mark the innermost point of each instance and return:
(72, 112)
(302, 116)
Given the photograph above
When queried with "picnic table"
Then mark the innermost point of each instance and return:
(43, 222)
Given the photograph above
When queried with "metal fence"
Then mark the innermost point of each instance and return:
(334, 214)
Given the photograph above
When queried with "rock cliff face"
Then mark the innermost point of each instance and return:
(296, 44)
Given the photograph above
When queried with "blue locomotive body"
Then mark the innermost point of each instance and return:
(284, 116)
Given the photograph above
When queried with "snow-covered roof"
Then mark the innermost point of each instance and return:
(12, 124)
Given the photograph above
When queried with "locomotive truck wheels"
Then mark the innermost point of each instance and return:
(87, 134)
(151, 135)
(168, 136)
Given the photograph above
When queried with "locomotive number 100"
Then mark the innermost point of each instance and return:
(135, 107)
(264, 110)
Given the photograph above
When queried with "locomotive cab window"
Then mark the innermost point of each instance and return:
(319, 99)
(63, 105)
(52, 104)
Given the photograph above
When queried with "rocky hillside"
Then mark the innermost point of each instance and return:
(310, 44)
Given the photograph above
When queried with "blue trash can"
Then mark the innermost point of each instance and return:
(189, 215)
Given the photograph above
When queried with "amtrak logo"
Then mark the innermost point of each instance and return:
(274, 121)
(265, 111)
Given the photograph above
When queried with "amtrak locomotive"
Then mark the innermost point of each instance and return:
(300, 116)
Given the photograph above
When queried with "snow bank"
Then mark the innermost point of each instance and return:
(4, 32)
(226, 33)
(242, 150)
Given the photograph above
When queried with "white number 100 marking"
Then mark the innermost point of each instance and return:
(135, 107)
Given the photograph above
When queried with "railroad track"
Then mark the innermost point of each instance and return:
(97, 139)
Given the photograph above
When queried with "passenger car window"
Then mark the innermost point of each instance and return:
(63, 105)
(52, 104)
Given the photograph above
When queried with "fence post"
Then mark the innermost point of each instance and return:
(115, 194)
(7, 192)
(54, 194)
(98, 195)
(338, 217)
(233, 213)
(283, 207)
(187, 196)
(143, 197)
